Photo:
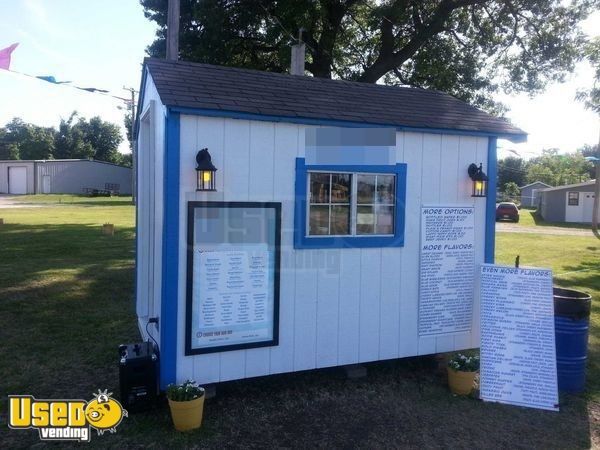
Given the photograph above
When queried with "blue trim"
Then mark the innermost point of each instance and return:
(490, 204)
(170, 259)
(341, 123)
(300, 234)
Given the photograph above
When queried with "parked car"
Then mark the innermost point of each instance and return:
(507, 211)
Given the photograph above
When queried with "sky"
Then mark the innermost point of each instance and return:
(101, 44)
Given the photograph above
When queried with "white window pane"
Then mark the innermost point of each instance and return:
(319, 187)
(365, 220)
(365, 189)
(340, 187)
(319, 220)
(385, 188)
(340, 219)
(385, 220)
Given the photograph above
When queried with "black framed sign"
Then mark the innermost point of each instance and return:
(233, 259)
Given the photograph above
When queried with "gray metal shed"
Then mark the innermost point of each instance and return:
(62, 176)
(530, 193)
(568, 203)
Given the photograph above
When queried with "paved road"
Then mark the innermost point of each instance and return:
(555, 231)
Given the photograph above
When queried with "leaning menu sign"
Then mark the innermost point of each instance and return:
(447, 269)
(233, 276)
(518, 356)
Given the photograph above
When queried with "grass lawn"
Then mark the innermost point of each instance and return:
(529, 218)
(66, 302)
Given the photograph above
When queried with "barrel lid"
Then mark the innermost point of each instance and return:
(571, 303)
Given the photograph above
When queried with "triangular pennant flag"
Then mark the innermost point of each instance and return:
(51, 79)
(5, 56)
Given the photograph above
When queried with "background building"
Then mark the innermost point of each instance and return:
(63, 176)
(530, 193)
(569, 203)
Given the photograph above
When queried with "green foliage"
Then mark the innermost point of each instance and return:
(591, 96)
(558, 169)
(512, 192)
(75, 138)
(185, 392)
(468, 48)
(464, 363)
(551, 168)
(511, 170)
(22, 140)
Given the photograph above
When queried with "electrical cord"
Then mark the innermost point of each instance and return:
(150, 335)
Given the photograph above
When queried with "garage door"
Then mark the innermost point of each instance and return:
(17, 180)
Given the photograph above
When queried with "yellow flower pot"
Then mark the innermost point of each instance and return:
(461, 383)
(108, 229)
(187, 415)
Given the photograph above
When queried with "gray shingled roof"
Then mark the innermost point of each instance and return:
(193, 85)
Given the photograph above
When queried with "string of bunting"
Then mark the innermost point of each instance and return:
(5, 59)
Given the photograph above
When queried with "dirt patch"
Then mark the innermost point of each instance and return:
(10, 201)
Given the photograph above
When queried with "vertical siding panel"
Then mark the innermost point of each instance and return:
(370, 268)
(328, 307)
(260, 188)
(236, 181)
(210, 134)
(389, 313)
(448, 195)
(286, 148)
(430, 194)
(188, 142)
(236, 170)
(349, 307)
(305, 310)
(409, 307)
(480, 203)
(262, 141)
(467, 155)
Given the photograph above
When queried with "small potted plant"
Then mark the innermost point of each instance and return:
(108, 229)
(186, 402)
(462, 370)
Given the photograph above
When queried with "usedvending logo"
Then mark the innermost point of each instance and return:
(66, 420)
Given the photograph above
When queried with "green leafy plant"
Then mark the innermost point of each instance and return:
(185, 392)
(464, 363)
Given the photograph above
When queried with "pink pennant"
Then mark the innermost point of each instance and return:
(5, 56)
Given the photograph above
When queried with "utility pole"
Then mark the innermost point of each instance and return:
(133, 145)
(173, 30)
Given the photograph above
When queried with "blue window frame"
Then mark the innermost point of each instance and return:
(301, 236)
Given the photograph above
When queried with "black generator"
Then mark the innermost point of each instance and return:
(138, 376)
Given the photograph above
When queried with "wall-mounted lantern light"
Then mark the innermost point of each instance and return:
(480, 180)
(205, 171)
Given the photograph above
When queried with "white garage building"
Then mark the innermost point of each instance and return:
(62, 176)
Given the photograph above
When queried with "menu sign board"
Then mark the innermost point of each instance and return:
(232, 290)
(518, 359)
(447, 270)
(233, 276)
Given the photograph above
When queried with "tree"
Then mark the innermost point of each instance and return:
(103, 137)
(512, 192)
(511, 169)
(78, 138)
(555, 169)
(591, 97)
(468, 48)
(8, 149)
(27, 141)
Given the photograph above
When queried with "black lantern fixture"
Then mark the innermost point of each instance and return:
(480, 180)
(205, 171)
